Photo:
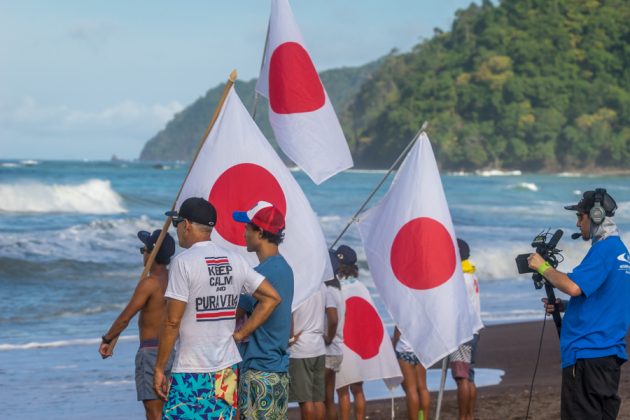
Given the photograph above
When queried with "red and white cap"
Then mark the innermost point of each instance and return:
(264, 215)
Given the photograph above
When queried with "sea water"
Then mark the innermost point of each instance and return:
(69, 262)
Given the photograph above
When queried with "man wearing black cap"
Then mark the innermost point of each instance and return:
(203, 289)
(592, 340)
(148, 299)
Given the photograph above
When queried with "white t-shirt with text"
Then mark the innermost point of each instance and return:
(209, 279)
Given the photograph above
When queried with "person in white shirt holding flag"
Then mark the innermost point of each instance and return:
(333, 337)
(462, 360)
(203, 290)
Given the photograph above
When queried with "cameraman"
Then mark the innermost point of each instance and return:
(592, 341)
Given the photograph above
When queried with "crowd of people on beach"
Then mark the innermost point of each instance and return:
(244, 352)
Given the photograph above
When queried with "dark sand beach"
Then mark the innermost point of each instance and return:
(513, 349)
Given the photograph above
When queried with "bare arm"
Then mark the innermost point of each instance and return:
(557, 278)
(333, 321)
(396, 336)
(168, 334)
(268, 299)
(139, 298)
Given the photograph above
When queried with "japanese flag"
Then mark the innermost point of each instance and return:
(368, 353)
(300, 112)
(237, 167)
(414, 260)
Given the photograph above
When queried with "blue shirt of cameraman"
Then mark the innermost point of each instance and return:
(595, 324)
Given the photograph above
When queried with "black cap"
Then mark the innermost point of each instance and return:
(166, 250)
(588, 201)
(346, 255)
(464, 249)
(197, 210)
(334, 261)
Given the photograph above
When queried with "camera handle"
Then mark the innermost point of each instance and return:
(551, 298)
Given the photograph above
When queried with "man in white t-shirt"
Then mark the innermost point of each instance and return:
(333, 337)
(307, 353)
(204, 285)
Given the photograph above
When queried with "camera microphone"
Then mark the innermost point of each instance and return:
(576, 235)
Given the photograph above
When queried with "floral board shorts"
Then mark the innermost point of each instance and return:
(408, 357)
(211, 396)
(263, 395)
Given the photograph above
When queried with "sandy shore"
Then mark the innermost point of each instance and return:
(513, 349)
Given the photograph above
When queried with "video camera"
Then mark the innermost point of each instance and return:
(553, 256)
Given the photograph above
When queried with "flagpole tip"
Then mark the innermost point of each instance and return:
(233, 76)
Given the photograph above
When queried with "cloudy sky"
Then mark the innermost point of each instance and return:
(87, 79)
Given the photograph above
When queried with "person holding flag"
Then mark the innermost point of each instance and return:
(148, 299)
(414, 384)
(462, 359)
(333, 336)
(202, 295)
(347, 261)
(264, 379)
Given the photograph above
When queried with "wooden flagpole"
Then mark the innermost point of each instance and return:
(168, 220)
(402, 155)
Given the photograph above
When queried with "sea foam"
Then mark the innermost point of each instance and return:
(94, 196)
(59, 343)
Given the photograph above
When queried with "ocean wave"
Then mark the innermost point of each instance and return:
(94, 196)
(367, 171)
(528, 186)
(497, 172)
(60, 343)
(9, 165)
(102, 241)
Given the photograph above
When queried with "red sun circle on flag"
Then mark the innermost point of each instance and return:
(423, 254)
(239, 188)
(294, 84)
(363, 329)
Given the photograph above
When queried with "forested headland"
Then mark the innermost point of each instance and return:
(521, 84)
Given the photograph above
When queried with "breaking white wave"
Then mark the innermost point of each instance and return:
(59, 343)
(497, 172)
(530, 186)
(100, 241)
(95, 196)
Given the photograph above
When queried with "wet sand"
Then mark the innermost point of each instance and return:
(512, 348)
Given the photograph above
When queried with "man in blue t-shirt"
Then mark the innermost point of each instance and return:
(264, 381)
(593, 336)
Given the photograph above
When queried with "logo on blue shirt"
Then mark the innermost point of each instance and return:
(624, 258)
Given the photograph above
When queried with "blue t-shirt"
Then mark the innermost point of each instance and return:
(595, 323)
(266, 349)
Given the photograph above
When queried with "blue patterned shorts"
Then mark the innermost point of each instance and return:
(263, 395)
(211, 396)
(409, 357)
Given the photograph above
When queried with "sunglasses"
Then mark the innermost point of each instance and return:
(144, 249)
(177, 221)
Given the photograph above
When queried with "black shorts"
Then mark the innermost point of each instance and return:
(589, 389)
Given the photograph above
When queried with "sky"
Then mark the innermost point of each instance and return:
(88, 80)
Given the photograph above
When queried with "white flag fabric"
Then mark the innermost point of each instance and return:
(368, 353)
(236, 168)
(301, 114)
(414, 260)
